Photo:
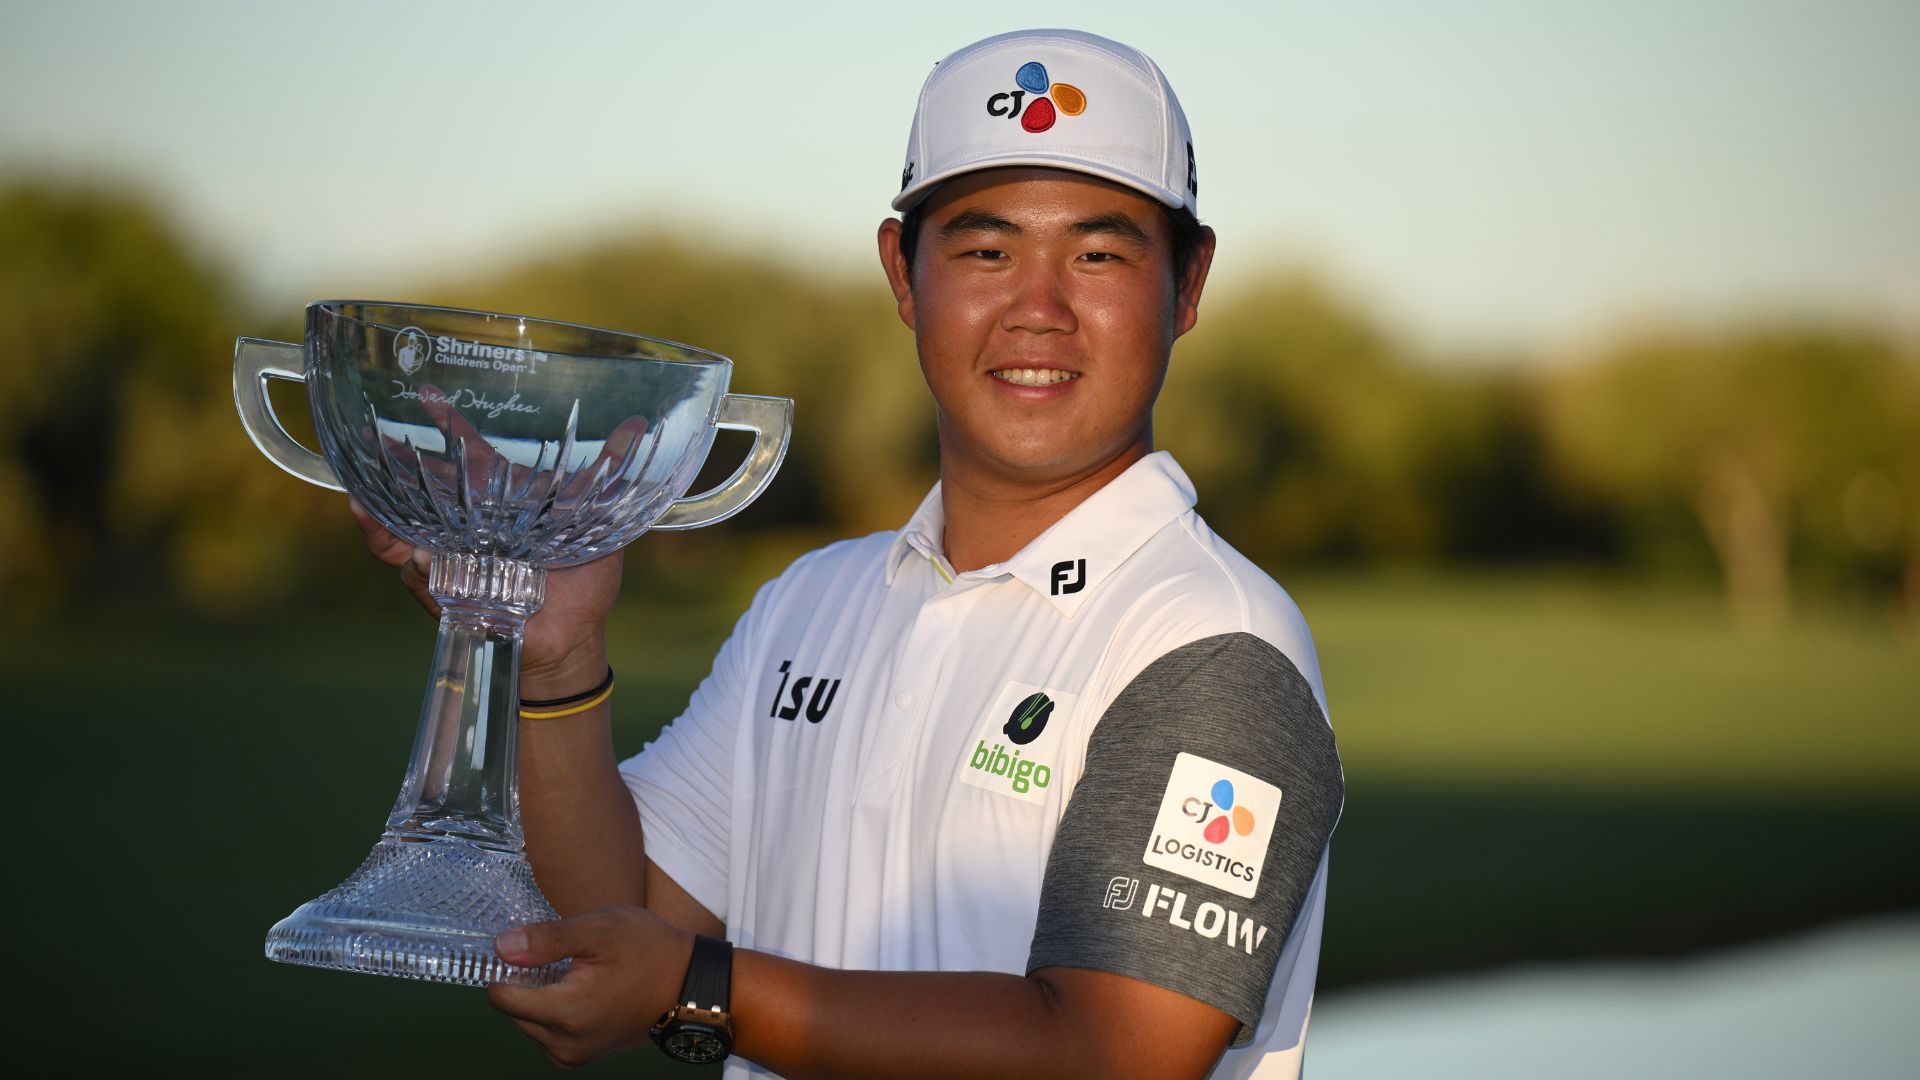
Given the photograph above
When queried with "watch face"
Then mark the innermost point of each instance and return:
(697, 1043)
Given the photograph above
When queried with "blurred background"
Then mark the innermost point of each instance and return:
(1562, 360)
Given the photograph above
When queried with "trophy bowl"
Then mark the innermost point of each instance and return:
(504, 445)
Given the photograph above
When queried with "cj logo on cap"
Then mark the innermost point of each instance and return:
(1038, 114)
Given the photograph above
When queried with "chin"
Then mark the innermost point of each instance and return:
(1046, 462)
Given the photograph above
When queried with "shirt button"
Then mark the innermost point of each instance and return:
(940, 612)
(902, 699)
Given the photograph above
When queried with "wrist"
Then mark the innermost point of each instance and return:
(677, 959)
(697, 1027)
(579, 669)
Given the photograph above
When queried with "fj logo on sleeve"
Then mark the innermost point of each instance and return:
(1014, 746)
(1213, 825)
(1215, 922)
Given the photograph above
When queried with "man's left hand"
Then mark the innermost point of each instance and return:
(628, 964)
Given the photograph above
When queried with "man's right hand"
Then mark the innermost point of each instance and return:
(565, 650)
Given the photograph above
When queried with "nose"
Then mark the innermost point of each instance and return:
(1040, 303)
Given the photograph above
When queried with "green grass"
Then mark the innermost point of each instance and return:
(1538, 767)
(1558, 682)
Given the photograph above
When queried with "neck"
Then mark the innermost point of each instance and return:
(990, 517)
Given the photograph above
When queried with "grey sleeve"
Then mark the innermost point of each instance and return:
(1189, 844)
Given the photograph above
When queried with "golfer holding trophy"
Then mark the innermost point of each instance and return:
(1040, 783)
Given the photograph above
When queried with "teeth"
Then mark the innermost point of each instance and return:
(1034, 376)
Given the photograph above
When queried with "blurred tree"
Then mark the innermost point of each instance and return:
(1310, 433)
(1280, 404)
(1492, 481)
(122, 466)
(1758, 434)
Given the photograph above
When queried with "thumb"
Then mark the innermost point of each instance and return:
(543, 943)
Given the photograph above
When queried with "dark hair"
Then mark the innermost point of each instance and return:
(1183, 230)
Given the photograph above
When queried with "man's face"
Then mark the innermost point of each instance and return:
(1044, 306)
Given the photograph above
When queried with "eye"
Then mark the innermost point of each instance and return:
(985, 254)
(1100, 256)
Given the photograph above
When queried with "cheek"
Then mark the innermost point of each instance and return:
(1126, 318)
(953, 321)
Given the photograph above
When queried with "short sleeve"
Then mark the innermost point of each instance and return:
(1191, 841)
(682, 781)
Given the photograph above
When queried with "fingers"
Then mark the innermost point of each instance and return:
(625, 965)
(625, 436)
(620, 443)
(544, 1034)
(478, 454)
(543, 1012)
(550, 1039)
(390, 549)
(385, 546)
(536, 944)
(413, 574)
(545, 942)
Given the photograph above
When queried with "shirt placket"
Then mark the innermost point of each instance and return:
(930, 643)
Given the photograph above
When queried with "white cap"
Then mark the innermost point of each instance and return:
(1055, 98)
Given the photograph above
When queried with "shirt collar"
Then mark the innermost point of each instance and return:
(922, 535)
(1068, 562)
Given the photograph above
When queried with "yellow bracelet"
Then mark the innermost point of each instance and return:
(573, 710)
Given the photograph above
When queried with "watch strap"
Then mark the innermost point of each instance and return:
(709, 975)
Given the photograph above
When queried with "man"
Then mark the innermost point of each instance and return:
(1040, 784)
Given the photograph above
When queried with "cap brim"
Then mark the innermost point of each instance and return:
(913, 193)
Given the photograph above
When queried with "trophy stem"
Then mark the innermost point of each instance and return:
(464, 776)
(449, 873)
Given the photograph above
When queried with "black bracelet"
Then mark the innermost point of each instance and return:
(551, 703)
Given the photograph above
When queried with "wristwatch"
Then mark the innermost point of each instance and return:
(698, 1029)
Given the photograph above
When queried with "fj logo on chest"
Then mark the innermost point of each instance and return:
(787, 704)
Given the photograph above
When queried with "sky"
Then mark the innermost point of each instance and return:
(1488, 178)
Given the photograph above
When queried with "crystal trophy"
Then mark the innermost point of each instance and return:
(505, 446)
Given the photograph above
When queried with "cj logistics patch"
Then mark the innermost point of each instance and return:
(1213, 825)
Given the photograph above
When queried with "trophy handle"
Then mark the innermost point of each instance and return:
(771, 421)
(256, 360)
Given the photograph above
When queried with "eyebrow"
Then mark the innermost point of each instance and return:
(1112, 223)
(973, 221)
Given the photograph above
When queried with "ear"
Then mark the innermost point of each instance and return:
(899, 277)
(1187, 304)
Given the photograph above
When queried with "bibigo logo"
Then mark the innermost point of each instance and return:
(1037, 114)
(1016, 743)
(1213, 825)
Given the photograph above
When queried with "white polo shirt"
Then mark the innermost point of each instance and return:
(1110, 751)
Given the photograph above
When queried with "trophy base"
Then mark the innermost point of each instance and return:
(424, 910)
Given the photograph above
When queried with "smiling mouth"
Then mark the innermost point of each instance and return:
(1034, 376)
